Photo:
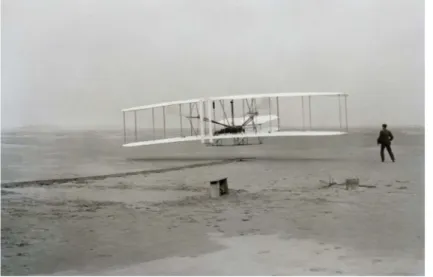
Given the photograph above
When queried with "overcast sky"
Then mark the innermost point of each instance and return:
(77, 63)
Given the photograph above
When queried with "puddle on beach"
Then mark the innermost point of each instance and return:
(268, 255)
(114, 195)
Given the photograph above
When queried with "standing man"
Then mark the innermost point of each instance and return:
(384, 139)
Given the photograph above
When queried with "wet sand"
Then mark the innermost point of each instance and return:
(278, 218)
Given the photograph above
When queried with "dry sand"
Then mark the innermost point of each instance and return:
(277, 220)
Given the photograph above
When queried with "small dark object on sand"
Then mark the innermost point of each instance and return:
(350, 183)
(221, 185)
(367, 186)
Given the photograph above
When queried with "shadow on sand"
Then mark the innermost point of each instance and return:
(219, 158)
(201, 162)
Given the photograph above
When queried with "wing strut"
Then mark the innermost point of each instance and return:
(224, 111)
(339, 110)
(250, 118)
(270, 118)
(278, 113)
(303, 114)
(243, 108)
(124, 127)
(202, 133)
(163, 113)
(309, 109)
(153, 122)
(345, 105)
(209, 112)
(180, 117)
(135, 126)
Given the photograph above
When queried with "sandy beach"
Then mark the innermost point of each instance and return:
(113, 112)
(278, 219)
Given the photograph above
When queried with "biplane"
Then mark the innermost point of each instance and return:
(236, 118)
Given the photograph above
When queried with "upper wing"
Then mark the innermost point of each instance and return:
(273, 95)
(163, 104)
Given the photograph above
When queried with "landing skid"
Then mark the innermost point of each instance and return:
(236, 142)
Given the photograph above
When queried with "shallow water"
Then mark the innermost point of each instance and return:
(267, 255)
